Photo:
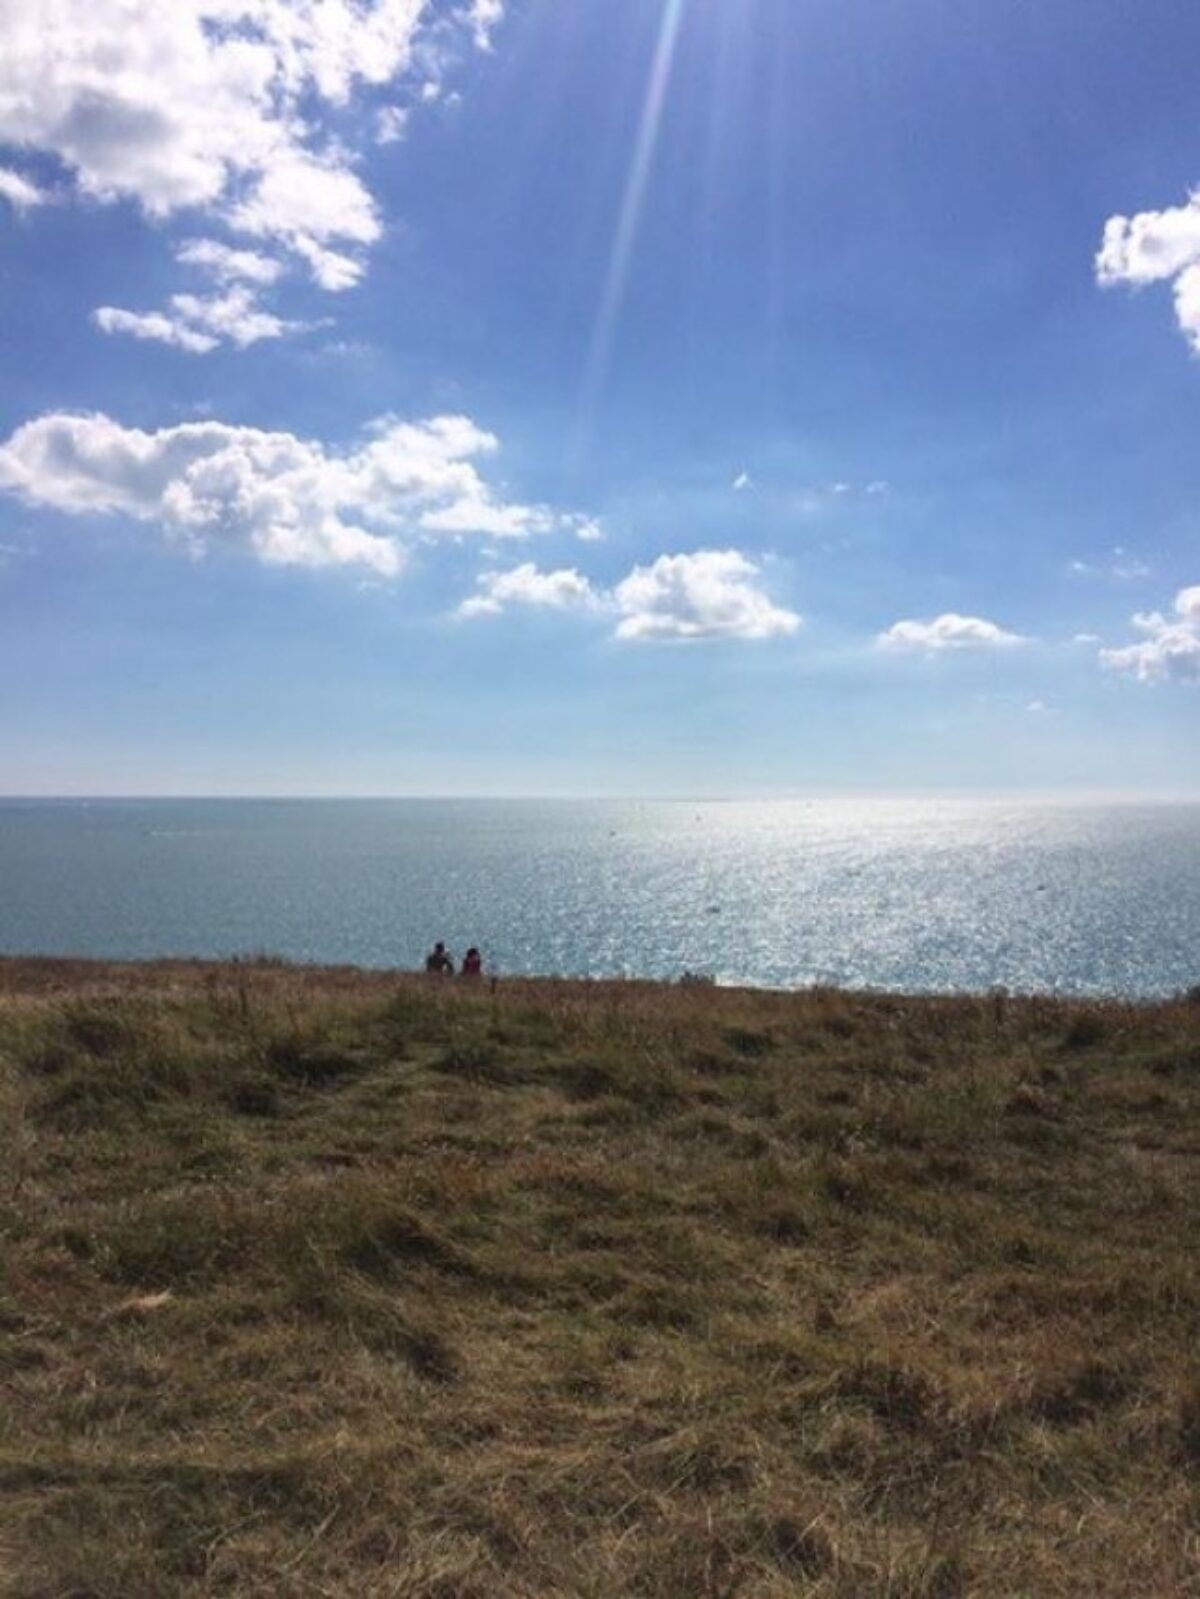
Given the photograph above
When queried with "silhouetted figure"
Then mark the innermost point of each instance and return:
(472, 965)
(438, 961)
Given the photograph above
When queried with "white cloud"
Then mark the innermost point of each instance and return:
(564, 590)
(707, 594)
(1153, 247)
(485, 15)
(331, 270)
(229, 106)
(228, 265)
(306, 199)
(18, 191)
(1187, 304)
(1149, 247)
(430, 465)
(1170, 649)
(391, 124)
(199, 323)
(948, 632)
(478, 513)
(290, 501)
(234, 316)
(154, 326)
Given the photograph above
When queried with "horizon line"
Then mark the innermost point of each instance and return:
(791, 796)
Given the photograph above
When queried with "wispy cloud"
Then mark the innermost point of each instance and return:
(199, 323)
(841, 492)
(948, 632)
(226, 264)
(1118, 565)
(391, 124)
(20, 192)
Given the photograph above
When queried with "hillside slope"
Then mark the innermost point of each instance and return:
(334, 1283)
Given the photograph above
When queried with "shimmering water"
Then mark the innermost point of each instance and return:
(889, 894)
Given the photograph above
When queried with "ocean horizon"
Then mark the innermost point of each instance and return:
(1048, 895)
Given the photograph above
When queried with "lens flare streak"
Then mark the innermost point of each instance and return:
(633, 202)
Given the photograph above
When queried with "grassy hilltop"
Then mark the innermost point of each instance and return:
(329, 1283)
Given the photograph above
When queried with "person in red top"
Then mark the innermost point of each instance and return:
(472, 965)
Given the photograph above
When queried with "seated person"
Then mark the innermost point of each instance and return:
(438, 961)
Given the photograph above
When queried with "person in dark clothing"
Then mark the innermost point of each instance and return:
(438, 961)
(472, 965)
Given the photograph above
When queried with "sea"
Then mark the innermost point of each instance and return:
(914, 895)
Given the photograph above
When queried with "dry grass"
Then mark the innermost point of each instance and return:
(329, 1283)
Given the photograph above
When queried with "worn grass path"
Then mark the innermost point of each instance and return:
(330, 1283)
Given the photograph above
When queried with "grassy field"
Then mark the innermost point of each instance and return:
(335, 1283)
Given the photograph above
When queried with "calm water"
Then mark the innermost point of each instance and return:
(889, 894)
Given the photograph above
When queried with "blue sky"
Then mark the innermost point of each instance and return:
(598, 396)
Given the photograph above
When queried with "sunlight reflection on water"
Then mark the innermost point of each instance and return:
(889, 894)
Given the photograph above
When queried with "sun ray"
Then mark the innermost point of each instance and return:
(632, 205)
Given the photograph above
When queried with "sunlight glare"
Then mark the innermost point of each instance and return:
(632, 205)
